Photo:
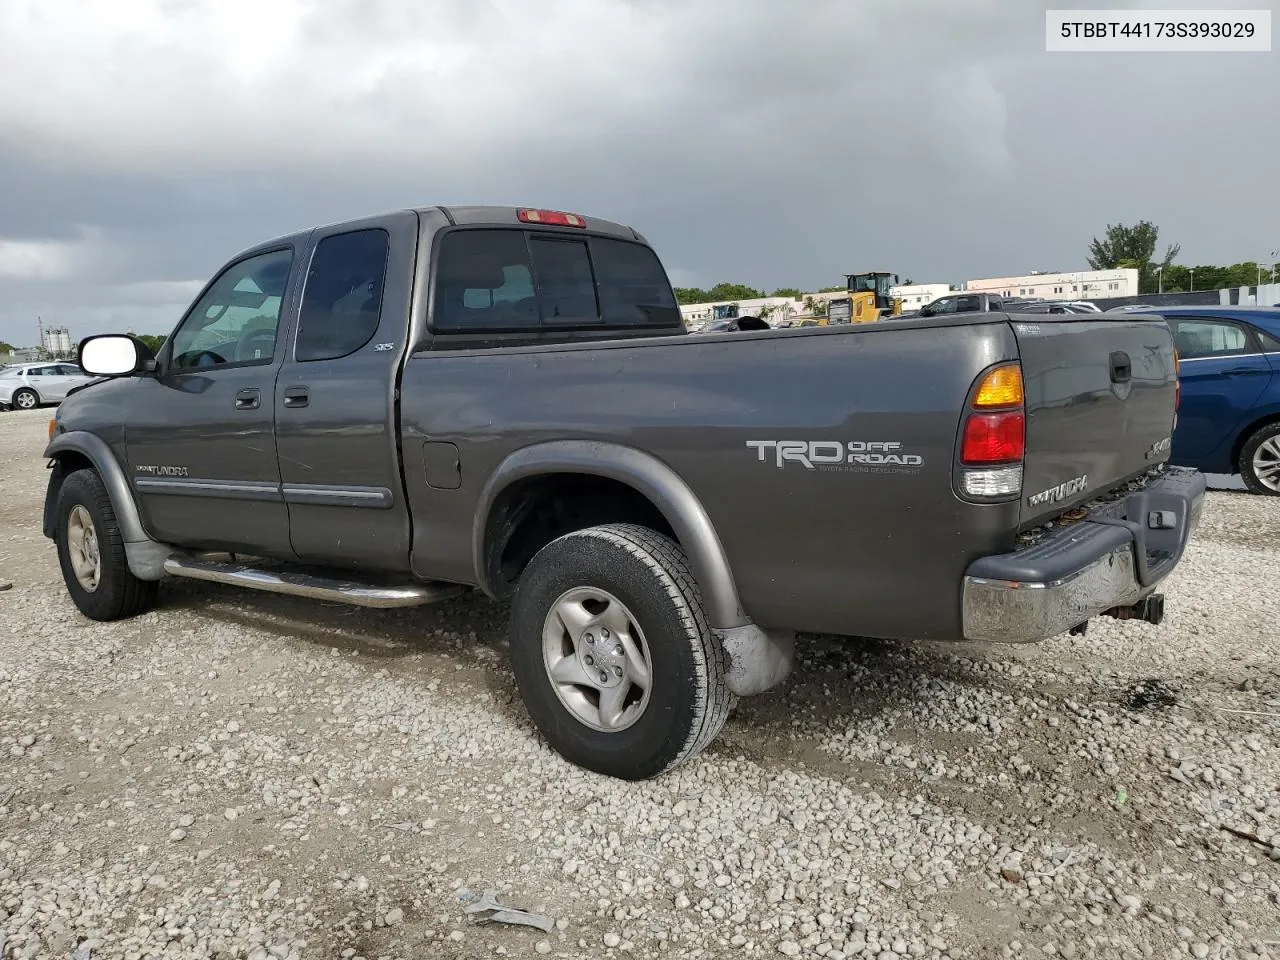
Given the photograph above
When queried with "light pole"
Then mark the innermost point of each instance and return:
(1159, 280)
(1193, 279)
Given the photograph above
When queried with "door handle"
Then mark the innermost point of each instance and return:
(296, 396)
(248, 399)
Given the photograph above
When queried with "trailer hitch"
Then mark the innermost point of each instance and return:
(1150, 609)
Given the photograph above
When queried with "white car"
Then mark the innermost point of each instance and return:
(28, 385)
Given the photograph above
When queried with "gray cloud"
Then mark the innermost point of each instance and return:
(756, 141)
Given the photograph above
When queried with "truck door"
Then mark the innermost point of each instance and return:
(199, 432)
(336, 410)
(1223, 373)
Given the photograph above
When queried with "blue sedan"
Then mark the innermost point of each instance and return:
(1229, 416)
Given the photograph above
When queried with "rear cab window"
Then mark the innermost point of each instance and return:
(504, 280)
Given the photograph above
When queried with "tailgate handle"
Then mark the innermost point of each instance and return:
(1121, 368)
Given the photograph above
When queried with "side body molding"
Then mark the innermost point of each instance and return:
(146, 556)
(646, 474)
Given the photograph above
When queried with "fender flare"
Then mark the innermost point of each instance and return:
(647, 475)
(146, 556)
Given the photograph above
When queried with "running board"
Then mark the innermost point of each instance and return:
(295, 584)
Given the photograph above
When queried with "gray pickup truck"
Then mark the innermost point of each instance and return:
(391, 411)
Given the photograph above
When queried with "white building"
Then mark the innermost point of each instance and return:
(916, 295)
(1078, 285)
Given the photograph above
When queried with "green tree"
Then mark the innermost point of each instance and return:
(1132, 247)
(153, 342)
(691, 295)
(791, 292)
(816, 307)
(7, 347)
(734, 291)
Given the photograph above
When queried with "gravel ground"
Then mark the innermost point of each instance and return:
(238, 775)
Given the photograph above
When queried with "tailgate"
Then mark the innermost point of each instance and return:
(1100, 399)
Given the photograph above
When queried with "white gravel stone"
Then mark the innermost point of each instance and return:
(869, 808)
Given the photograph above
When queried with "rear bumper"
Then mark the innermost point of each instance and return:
(1114, 558)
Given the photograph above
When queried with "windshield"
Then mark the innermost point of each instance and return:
(10, 371)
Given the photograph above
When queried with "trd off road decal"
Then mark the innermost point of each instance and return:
(861, 456)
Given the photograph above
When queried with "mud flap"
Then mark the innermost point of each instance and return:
(758, 659)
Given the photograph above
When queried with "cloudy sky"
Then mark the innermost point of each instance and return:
(143, 142)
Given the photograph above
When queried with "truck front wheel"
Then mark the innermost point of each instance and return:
(612, 654)
(91, 552)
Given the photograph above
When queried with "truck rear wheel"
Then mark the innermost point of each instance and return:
(1260, 461)
(612, 654)
(91, 552)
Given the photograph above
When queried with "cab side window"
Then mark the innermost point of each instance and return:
(236, 320)
(342, 300)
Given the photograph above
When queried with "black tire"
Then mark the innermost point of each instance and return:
(29, 395)
(688, 697)
(1268, 436)
(118, 594)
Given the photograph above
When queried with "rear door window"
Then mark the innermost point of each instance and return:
(342, 301)
(495, 280)
(1270, 344)
(1200, 338)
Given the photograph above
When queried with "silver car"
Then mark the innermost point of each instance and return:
(28, 385)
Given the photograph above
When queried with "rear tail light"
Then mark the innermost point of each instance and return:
(553, 218)
(1002, 388)
(994, 440)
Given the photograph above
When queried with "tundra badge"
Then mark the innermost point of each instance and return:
(1063, 490)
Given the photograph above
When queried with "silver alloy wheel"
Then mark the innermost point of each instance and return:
(25, 400)
(597, 659)
(82, 548)
(1266, 463)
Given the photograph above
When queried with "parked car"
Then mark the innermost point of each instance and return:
(390, 411)
(736, 324)
(1053, 307)
(29, 385)
(962, 303)
(1229, 420)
